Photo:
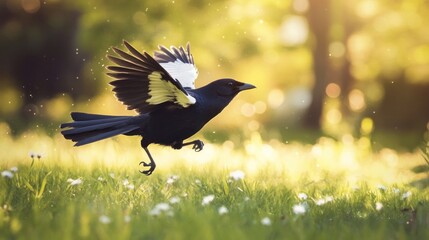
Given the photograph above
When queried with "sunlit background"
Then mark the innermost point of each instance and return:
(350, 73)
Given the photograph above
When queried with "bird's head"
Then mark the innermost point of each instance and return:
(228, 87)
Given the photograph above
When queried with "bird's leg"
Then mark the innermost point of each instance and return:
(151, 165)
(197, 145)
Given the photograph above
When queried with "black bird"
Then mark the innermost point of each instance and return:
(162, 91)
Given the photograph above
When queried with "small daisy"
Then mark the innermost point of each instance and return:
(396, 190)
(172, 179)
(125, 182)
(302, 196)
(378, 206)
(266, 221)
(406, 195)
(104, 219)
(329, 199)
(299, 209)
(320, 202)
(323, 201)
(237, 175)
(74, 182)
(222, 210)
(161, 208)
(207, 199)
(381, 187)
(7, 174)
(174, 200)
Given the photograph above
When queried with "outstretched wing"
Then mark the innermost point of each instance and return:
(179, 63)
(143, 84)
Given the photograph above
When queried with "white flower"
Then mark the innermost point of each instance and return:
(237, 175)
(222, 210)
(174, 200)
(329, 199)
(207, 199)
(127, 218)
(104, 219)
(396, 190)
(101, 179)
(378, 206)
(381, 187)
(127, 184)
(320, 202)
(172, 179)
(299, 209)
(14, 169)
(323, 201)
(302, 196)
(406, 195)
(161, 208)
(266, 221)
(198, 182)
(74, 181)
(7, 174)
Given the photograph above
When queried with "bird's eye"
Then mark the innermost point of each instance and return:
(230, 84)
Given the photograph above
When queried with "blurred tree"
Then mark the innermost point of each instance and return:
(319, 21)
(40, 56)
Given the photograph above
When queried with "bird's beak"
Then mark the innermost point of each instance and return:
(246, 86)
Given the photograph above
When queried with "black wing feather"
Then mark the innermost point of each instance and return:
(132, 83)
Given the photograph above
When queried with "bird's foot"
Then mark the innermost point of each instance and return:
(198, 145)
(151, 166)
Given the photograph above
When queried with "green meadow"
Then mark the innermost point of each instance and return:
(261, 189)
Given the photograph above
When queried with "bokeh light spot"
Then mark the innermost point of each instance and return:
(366, 127)
(356, 100)
(294, 31)
(333, 90)
(333, 116)
(248, 110)
(366, 8)
(275, 98)
(337, 49)
(260, 107)
(30, 6)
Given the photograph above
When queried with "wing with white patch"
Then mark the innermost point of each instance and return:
(179, 63)
(143, 84)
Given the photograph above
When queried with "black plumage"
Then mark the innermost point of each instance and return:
(162, 91)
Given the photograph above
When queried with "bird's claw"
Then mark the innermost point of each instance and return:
(151, 166)
(198, 145)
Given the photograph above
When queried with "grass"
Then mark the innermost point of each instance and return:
(330, 190)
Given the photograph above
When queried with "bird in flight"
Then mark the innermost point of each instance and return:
(162, 90)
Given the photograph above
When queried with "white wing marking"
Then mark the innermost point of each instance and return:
(185, 73)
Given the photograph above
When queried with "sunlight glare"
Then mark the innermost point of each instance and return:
(294, 31)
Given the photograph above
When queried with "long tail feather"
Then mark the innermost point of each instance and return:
(88, 128)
